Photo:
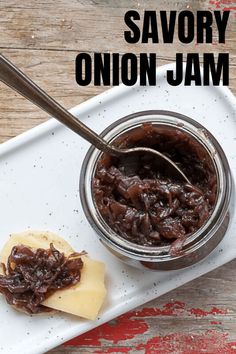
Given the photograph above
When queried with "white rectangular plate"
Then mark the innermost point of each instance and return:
(39, 189)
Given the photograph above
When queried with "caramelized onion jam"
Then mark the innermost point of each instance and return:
(31, 276)
(140, 199)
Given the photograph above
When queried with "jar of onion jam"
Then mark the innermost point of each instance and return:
(145, 215)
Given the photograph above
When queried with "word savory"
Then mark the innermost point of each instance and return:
(154, 28)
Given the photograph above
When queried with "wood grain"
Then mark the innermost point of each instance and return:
(43, 38)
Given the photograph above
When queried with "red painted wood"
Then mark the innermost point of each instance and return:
(118, 333)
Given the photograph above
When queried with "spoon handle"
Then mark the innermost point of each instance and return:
(13, 77)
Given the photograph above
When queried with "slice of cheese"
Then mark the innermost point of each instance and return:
(83, 299)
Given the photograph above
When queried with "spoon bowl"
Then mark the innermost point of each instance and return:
(167, 165)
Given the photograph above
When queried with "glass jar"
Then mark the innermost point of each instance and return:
(196, 246)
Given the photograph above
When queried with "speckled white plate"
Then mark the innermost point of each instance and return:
(39, 181)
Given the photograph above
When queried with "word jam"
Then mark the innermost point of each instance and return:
(155, 28)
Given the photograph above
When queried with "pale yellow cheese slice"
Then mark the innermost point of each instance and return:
(83, 299)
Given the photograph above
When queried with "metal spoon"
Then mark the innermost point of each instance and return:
(13, 77)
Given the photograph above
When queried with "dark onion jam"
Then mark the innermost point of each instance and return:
(32, 276)
(142, 202)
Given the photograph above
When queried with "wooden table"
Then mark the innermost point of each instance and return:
(43, 38)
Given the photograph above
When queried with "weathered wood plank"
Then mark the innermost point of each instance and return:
(42, 29)
(42, 25)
